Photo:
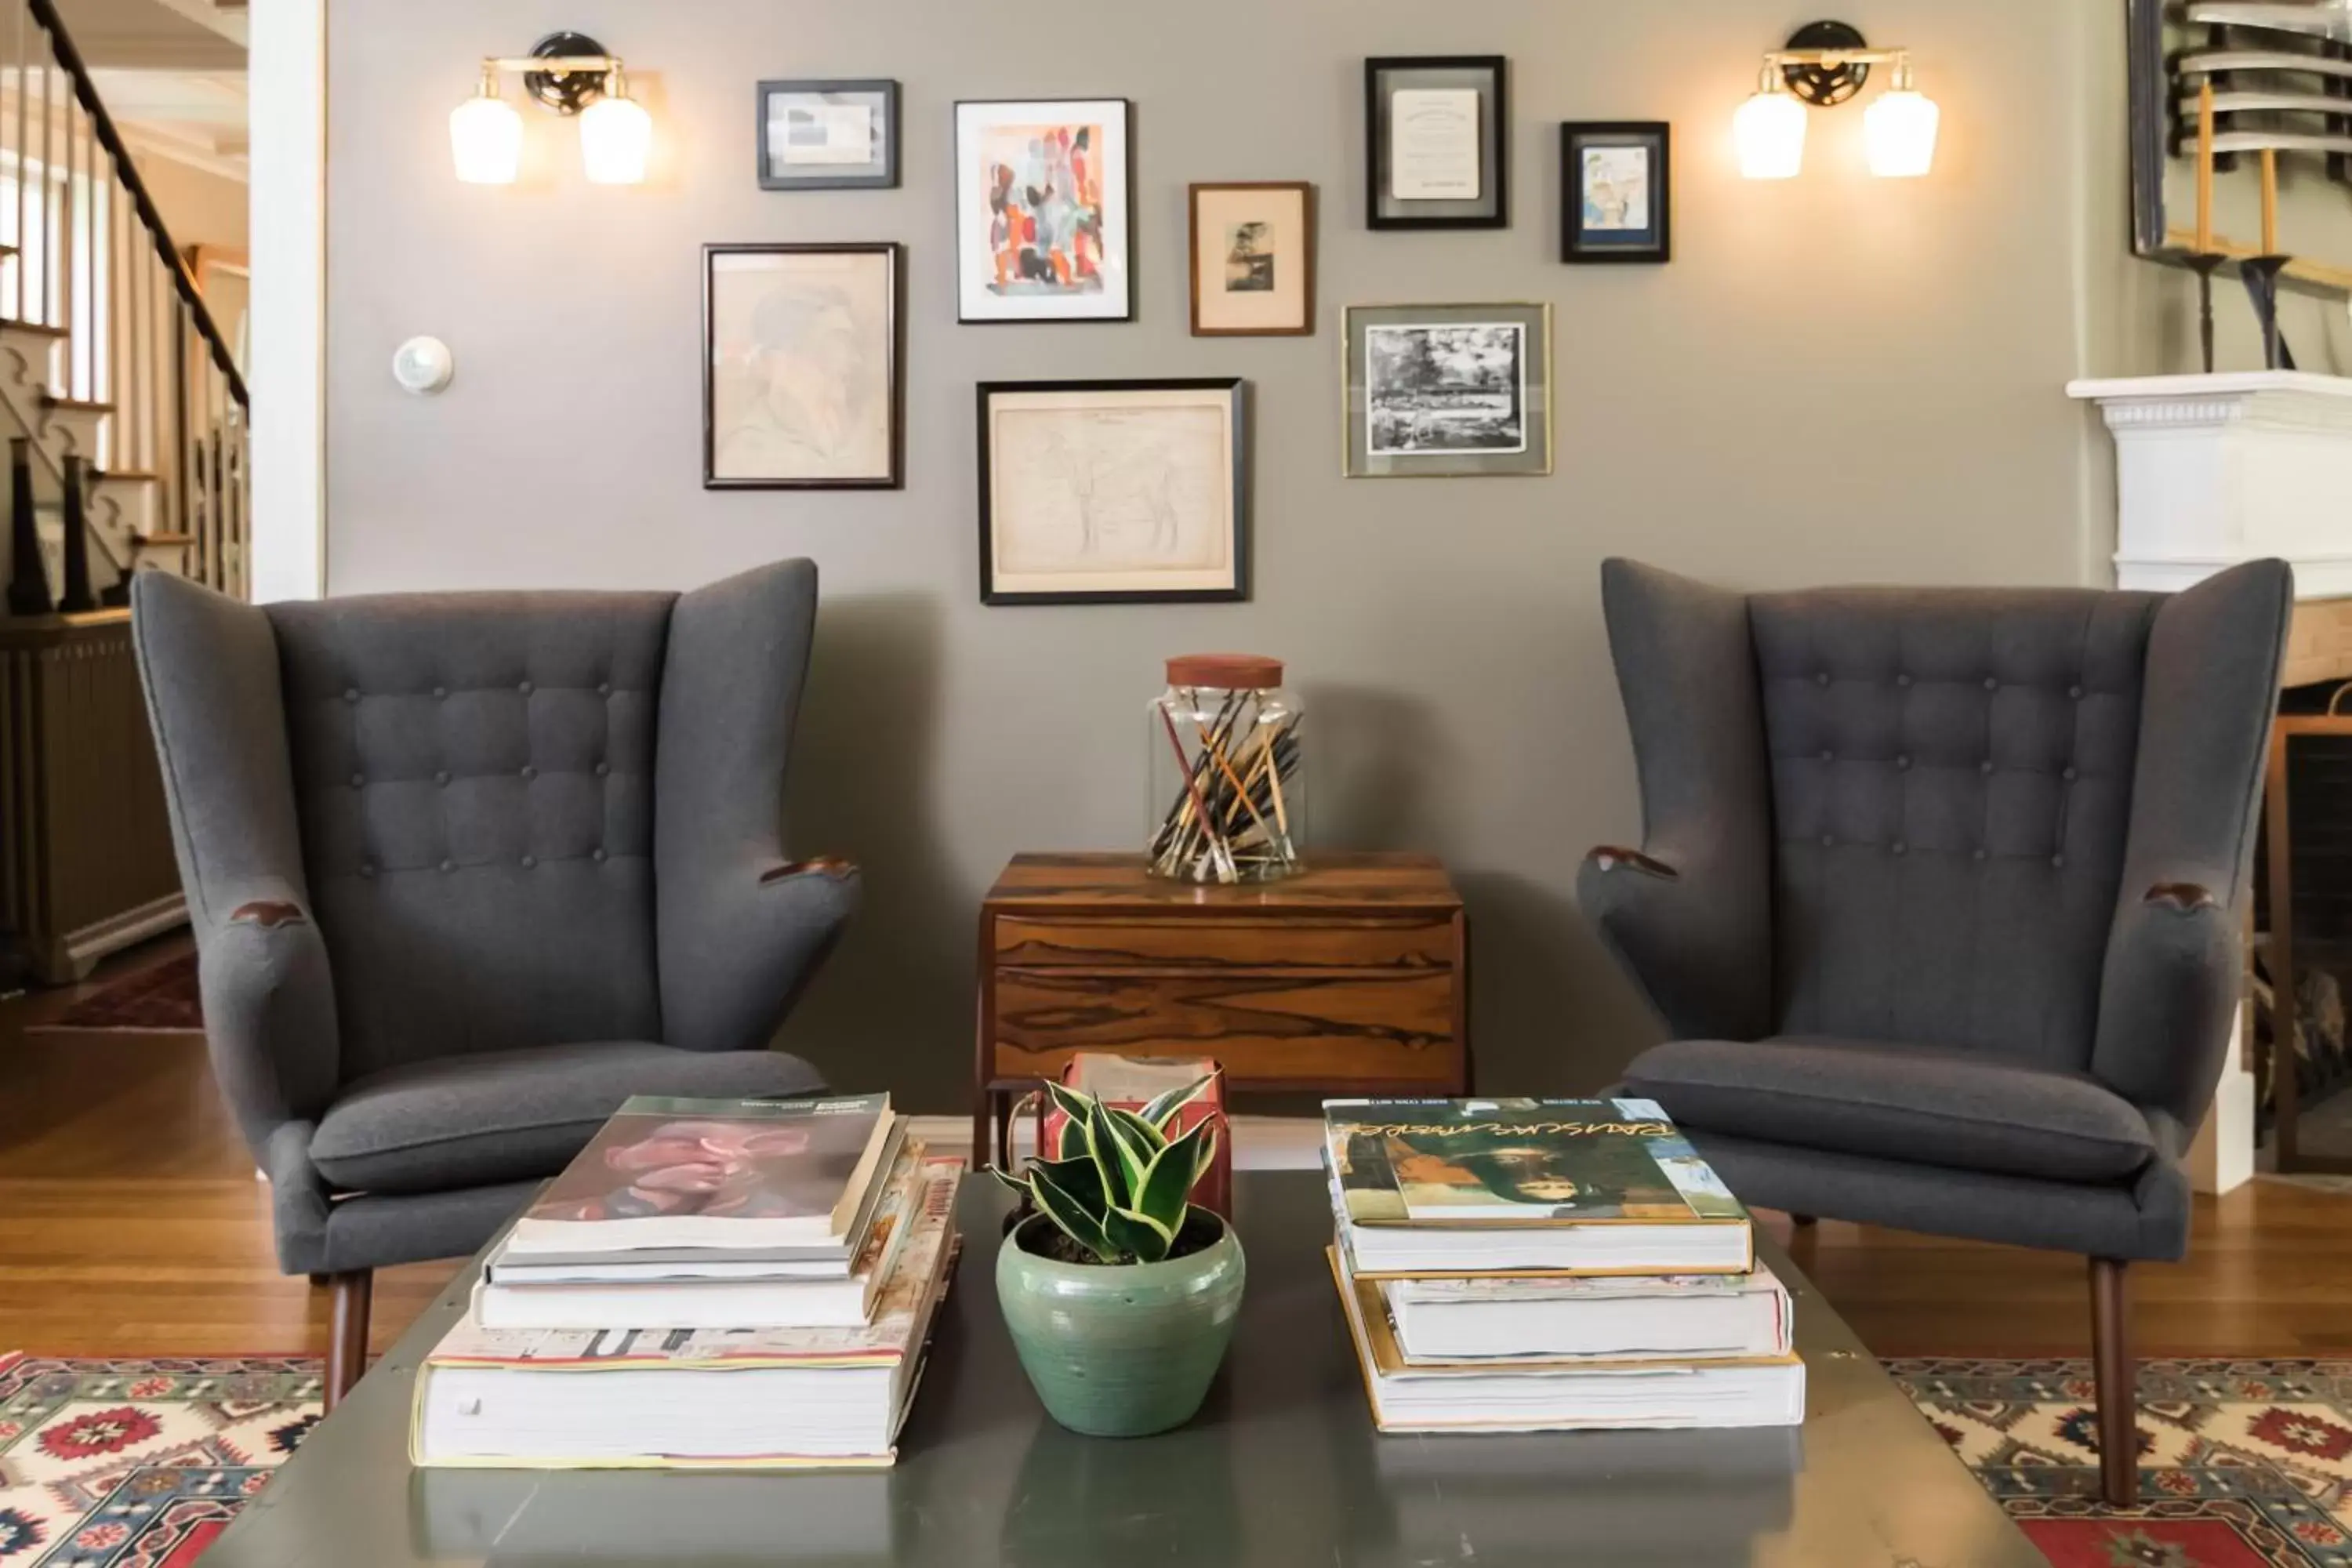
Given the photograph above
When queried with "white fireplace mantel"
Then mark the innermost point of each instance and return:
(2214, 469)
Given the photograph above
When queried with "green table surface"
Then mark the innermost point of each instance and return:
(1281, 1468)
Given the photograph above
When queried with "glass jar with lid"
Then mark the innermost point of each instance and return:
(1228, 793)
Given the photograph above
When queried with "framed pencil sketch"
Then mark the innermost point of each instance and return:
(828, 135)
(803, 352)
(1095, 492)
(1043, 221)
(1437, 142)
(1616, 202)
(1253, 259)
(1447, 390)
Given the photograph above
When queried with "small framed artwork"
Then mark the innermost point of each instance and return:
(1436, 143)
(1617, 204)
(1096, 492)
(1254, 259)
(1448, 391)
(803, 350)
(828, 135)
(1043, 225)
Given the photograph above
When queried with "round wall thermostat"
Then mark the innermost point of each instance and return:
(422, 364)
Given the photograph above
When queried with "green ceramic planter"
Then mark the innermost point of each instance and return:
(1120, 1351)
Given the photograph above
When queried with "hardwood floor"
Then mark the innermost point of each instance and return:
(132, 1223)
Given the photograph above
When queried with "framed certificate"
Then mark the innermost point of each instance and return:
(828, 135)
(1436, 141)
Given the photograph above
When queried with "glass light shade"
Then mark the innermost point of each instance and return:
(616, 135)
(486, 139)
(1769, 131)
(1898, 132)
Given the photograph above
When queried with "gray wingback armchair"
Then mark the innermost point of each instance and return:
(1941, 896)
(466, 871)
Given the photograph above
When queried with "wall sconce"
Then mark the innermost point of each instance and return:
(1824, 64)
(571, 74)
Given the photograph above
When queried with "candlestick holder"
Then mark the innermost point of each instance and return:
(2205, 263)
(2261, 275)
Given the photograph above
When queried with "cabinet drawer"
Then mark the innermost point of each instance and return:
(1414, 944)
(1306, 1032)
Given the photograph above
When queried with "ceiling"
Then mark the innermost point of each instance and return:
(156, 35)
(171, 74)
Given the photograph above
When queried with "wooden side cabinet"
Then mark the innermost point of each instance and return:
(1348, 979)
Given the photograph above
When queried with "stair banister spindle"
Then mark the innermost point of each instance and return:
(23, 149)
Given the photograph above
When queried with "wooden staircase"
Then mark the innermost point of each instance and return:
(126, 414)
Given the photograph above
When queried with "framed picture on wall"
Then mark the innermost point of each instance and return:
(1044, 223)
(828, 135)
(1096, 492)
(804, 351)
(1448, 391)
(1253, 259)
(1436, 141)
(1616, 201)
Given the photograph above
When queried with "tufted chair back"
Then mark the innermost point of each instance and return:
(473, 780)
(1951, 794)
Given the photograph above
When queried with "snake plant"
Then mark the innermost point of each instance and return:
(1118, 1186)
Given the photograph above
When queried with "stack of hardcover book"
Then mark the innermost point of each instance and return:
(1534, 1264)
(714, 1282)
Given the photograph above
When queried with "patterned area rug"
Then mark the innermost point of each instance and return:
(160, 996)
(140, 1463)
(2243, 1463)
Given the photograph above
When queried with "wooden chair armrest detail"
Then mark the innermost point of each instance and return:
(1609, 856)
(832, 866)
(268, 914)
(2187, 898)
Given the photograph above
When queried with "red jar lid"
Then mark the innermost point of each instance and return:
(1226, 671)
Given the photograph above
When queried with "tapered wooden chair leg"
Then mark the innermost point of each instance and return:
(347, 1342)
(2118, 1394)
(1803, 1221)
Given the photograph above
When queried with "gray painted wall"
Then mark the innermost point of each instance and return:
(1837, 378)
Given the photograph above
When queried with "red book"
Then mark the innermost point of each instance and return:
(1131, 1083)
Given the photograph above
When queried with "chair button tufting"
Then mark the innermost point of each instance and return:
(1992, 683)
(604, 768)
(351, 694)
(1985, 766)
(1900, 848)
(367, 868)
(449, 864)
(2068, 775)
(2057, 859)
(359, 781)
(596, 854)
(1977, 854)
(1902, 681)
(529, 861)
(528, 771)
(1828, 756)
(524, 689)
(2075, 692)
(1902, 763)
(1829, 840)
(603, 689)
(1823, 678)
(440, 692)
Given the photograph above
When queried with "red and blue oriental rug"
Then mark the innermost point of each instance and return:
(140, 1463)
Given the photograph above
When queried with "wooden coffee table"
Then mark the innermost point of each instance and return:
(1348, 979)
(1281, 1469)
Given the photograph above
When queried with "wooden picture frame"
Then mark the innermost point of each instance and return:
(1103, 493)
(1457, 176)
(827, 167)
(1616, 194)
(803, 366)
(1072, 262)
(1252, 266)
(1446, 391)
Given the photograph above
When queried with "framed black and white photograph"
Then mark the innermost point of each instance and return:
(1616, 201)
(828, 135)
(803, 351)
(1095, 492)
(1448, 391)
(1436, 141)
(1044, 223)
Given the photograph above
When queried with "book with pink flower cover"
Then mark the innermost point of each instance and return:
(733, 1174)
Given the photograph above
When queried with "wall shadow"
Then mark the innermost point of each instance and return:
(1549, 1012)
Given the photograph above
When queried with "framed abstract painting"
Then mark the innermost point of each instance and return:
(1617, 204)
(802, 355)
(1043, 221)
(1095, 492)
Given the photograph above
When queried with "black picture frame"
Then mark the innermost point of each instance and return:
(1125, 227)
(1651, 244)
(1493, 208)
(895, 255)
(886, 177)
(1238, 391)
